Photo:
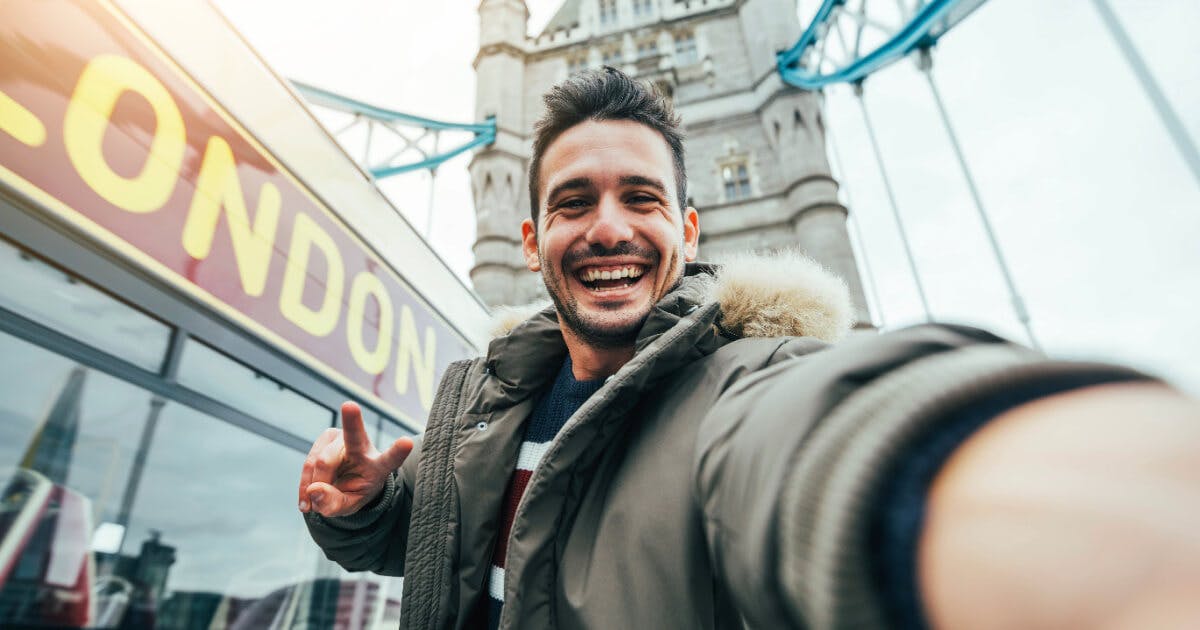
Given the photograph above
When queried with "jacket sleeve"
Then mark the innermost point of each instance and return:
(376, 537)
(793, 460)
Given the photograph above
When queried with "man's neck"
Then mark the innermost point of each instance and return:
(589, 363)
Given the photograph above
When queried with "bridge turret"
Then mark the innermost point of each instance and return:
(498, 172)
(502, 22)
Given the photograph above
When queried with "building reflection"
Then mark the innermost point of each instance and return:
(75, 554)
(53, 583)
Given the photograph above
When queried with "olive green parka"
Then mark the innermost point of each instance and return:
(722, 478)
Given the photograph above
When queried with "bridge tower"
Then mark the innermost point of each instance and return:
(498, 171)
(756, 161)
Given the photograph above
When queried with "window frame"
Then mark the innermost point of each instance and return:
(739, 186)
(687, 49)
(607, 10)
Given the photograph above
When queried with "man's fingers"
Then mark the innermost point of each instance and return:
(327, 500)
(328, 461)
(392, 458)
(310, 461)
(357, 441)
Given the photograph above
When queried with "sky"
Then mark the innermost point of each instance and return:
(1094, 210)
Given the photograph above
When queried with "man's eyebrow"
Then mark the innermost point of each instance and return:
(571, 184)
(640, 180)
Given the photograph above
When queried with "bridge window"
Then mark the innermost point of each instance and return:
(612, 57)
(736, 178)
(685, 49)
(608, 12)
(642, 8)
(647, 49)
(577, 64)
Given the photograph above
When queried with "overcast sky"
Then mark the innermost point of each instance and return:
(1094, 209)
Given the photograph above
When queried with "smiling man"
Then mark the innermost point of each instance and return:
(614, 234)
(676, 445)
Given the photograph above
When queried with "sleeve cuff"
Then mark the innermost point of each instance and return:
(361, 519)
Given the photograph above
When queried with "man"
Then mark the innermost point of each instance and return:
(670, 445)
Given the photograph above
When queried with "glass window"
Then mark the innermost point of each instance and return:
(219, 527)
(127, 510)
(209, 372)
(608, 12)
(736, 179)
(685, 49)
(377, 598)
(61, 301)
(390, 432)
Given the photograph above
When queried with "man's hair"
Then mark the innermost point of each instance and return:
(605, 94)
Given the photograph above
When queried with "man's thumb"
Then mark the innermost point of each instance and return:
(396, 453)
(325, 499)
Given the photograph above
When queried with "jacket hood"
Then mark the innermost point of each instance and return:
(781, 294)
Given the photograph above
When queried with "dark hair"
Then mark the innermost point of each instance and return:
(605, 94)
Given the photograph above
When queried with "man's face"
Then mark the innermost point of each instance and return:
(611, 240)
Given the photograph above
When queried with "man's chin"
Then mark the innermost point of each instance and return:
(606, 332)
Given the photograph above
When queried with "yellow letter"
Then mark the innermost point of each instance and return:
(372, 361)
(102, 83)
(217, 186)
(408, 351)
(21, 123)
(305, 234)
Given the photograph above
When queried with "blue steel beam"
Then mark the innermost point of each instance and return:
(482, 139)
(485, 132)
(928, 23)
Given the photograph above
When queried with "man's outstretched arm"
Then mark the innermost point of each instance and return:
(1080, 510)
(814, 477)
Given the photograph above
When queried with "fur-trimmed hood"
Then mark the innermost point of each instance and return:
(782, 294)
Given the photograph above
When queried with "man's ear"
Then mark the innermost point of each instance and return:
(529, 245)
(691, 233)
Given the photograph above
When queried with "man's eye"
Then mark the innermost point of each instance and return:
(643, 199)
(571, 204)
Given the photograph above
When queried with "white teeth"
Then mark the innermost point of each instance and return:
(592, 275)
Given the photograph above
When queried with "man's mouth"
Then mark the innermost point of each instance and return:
(601, 278)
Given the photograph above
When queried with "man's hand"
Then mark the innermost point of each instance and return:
(343, 472)
(1080, 510)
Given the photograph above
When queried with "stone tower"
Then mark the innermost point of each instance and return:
(756, 162)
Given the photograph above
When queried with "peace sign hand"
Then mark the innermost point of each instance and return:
(343, 471)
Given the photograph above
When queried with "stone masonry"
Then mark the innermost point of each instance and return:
(756, 162)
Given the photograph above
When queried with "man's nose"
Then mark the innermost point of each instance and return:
(610, 225)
